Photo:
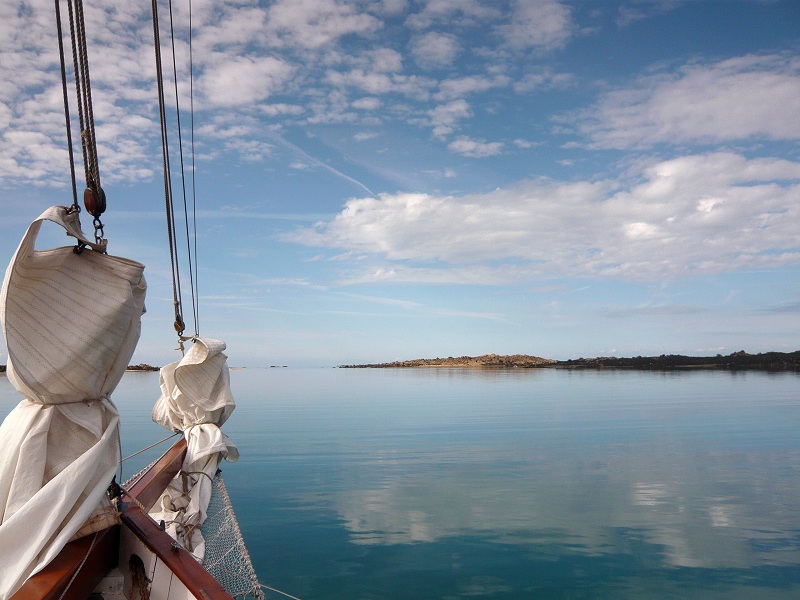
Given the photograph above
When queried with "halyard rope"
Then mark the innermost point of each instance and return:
(173, 249)
(66, 105)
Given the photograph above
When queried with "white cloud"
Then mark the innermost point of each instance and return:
(243, 80)
(451, 89)
(525, 144)
(275, 110)
(227, 26)
(390, 7)
(367, 103)
(316, 23)
(695, 214)
(33, 149)
(381, 83)
(544, 24)
(249, 150)
(364, 136)
(543, 79)
(460, 13)
(737, 99)
(475, 148)
(434, 50)
(445, 117)
(628, 14)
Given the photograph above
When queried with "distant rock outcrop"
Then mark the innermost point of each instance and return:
(767, 361)
(142, 367)
(486, 361)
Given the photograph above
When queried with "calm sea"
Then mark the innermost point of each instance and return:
(416, 484)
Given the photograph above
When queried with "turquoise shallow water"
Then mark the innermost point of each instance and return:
(393, 484)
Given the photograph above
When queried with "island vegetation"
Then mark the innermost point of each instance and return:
(767, 361)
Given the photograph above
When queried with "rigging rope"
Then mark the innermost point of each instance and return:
(173, 250)
(175, 260)
(94, 197)
(75, 206)
(194, 195)
(180, 153)
(226, 555)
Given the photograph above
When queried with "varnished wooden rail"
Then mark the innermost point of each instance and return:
(67, 575)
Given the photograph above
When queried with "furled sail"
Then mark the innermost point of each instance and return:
(71, 322)
(195, 399)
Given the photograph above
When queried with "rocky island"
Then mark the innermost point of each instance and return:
(767, 361)
(486, 360)
(142, 367)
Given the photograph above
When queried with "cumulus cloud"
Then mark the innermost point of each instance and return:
(462, 13)
(363, 136)
(696, 214)
(543, 79)
(434, 50)
(381, 83)
(316, 23)
(525, 144)
(280, 108)
(475, 148)
(736, 99)
(367, 103)
(544, 24)
(444, 117)
(243, 80)
(34, 147)
(451, 89)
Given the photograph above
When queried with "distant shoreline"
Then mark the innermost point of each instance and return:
(768, 361)
(140, 367)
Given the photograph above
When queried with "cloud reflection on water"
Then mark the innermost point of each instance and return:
(709, 511)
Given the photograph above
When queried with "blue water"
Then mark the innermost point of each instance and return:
(391, 484)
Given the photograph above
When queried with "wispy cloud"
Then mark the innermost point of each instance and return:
(627, 14)
(789, 308)
(656, 310)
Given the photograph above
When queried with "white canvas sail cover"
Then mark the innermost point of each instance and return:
(71, 322)
(196, 399)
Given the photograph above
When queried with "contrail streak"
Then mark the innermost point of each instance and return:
(319, 163)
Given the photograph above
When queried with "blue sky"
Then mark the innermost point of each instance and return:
(417, 178)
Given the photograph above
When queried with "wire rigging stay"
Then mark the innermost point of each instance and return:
(169, 195)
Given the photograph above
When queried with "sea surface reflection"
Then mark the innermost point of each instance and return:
(511, 484)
